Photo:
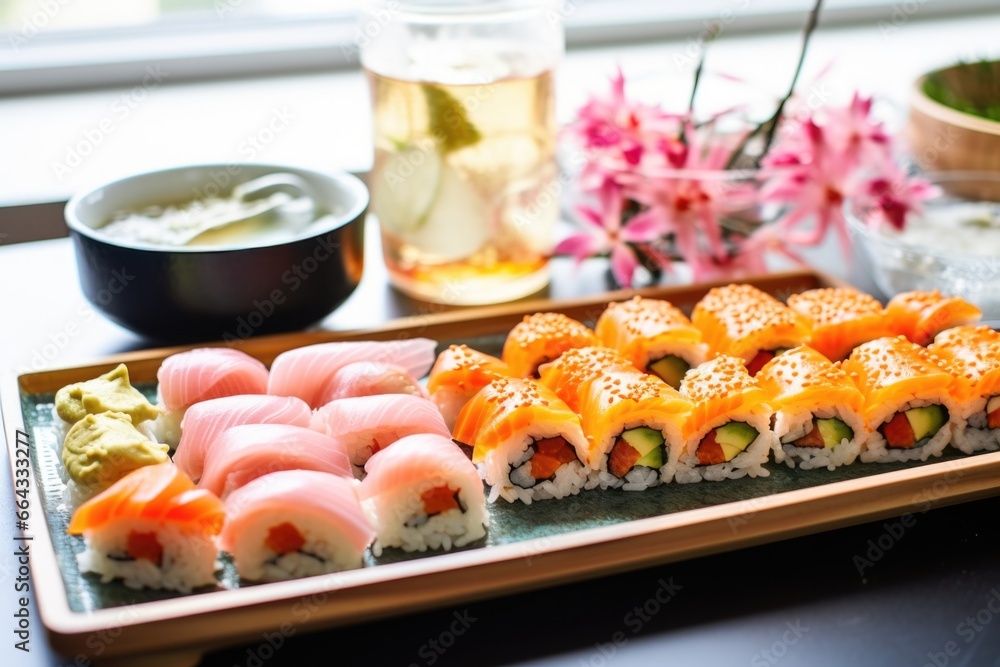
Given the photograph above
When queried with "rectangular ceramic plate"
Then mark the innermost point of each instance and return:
(546, 543)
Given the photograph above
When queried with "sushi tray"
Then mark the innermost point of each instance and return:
(586, 534)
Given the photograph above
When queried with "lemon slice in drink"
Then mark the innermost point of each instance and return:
(404, 186)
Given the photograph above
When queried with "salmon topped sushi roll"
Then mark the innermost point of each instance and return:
(920, 316)
(654, 335)
(527, 443)
(972, 355)
(909, 409)
(295, 523)
(458, 375)
(424, 493)
(633, 423)
(570, 375)
(743, 322)
(817, 407)
(728, 433)
(841, 319)
(152, 529)
(541, 338)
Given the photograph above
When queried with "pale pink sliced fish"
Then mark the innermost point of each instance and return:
(370, 378)
(288, 494)
(305, 371)
(204, 423)
(209, 372)
(244, 453)
(367, 424)
(426, 458)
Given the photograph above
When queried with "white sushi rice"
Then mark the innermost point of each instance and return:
(189, 560)
(569, 479)
(748, 462)
(400, 520)
(972, 432)
(876, 451)
(794, 424)
(325, 550)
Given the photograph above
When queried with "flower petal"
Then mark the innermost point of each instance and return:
(623, 264)
(580, 246)
(644, 227)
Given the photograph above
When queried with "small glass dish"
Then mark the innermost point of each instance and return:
(953, 247)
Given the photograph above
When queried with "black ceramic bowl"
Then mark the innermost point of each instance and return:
(187, 294)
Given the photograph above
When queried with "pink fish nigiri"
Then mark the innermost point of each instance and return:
(305, 371)
(204, 422)
(244, 453)
(294, 523)
(370, 378)
(367, 424)
(208, 372)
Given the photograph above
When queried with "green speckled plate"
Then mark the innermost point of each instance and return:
(548, 542)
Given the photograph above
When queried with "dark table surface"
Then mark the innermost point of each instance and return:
(922, 593)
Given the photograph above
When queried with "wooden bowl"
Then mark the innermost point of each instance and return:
(945, 139)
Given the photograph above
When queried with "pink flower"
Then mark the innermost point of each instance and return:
(852, 130)
(615, 127)
(605, 234)
(893, 196)
(686, 191)
(815, 179)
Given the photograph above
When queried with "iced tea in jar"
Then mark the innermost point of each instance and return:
(464, 177)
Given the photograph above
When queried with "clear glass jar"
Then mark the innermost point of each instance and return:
(464, 177)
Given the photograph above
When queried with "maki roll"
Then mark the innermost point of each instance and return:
(458, 375)
(424, 493)
(204, 422)
(908, 404)
(972, 354)
(728, 433)
(527, 443)
(741, 321)
(633, 424)
(570, 375)
(370, 378)
(920, 316)
(541, 338)
(199, 375)
(841, 319)
(244, 453)
(818, 410)
(295, 523)
(306, 372)
(368, 424)
(654, 335)
(152, 529)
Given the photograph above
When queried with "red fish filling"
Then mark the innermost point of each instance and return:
(440, 499)
(145, 546)
(993, 416)
(284, 538)
(550, 454)
(623, 458)
(710, 451)
(761, 359)
(914, 427)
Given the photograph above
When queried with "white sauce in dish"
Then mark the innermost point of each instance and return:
(968, 228)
